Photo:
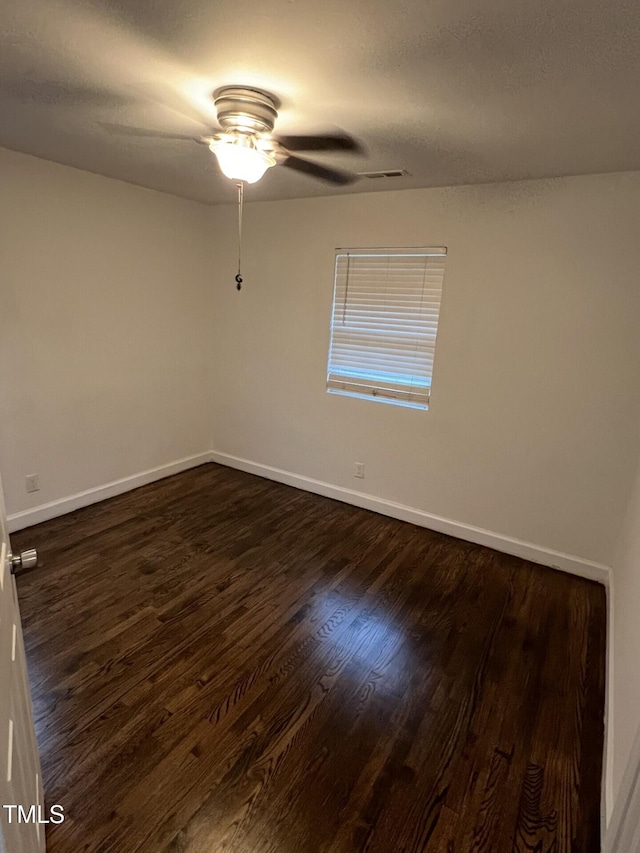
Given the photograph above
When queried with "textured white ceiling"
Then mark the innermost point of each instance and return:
(453, 91)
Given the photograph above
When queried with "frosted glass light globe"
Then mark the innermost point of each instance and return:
(240, 160)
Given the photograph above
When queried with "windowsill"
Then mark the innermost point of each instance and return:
(404, 403)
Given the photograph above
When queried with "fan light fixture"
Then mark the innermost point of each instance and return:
(240, 159)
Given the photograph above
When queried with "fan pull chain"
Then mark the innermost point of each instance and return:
(240, 186)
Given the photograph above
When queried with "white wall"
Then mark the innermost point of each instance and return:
(536, 379)
(105, 306)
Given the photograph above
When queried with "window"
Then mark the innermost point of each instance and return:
(386, 304)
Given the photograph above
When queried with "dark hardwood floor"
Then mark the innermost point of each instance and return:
(222, 663)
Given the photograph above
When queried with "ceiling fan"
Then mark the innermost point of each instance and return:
(246, 147)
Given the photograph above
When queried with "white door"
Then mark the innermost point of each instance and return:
(623, 832)
(20, 776)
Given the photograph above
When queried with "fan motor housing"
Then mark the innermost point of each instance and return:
(244, 109)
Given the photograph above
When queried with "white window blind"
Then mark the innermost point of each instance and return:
(386, 305)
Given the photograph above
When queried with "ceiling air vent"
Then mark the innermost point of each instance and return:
(387, 173)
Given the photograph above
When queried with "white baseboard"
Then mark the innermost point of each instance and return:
(477, 535)
(29, 517)
(461, 530)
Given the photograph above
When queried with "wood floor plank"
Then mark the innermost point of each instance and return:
(222, 663)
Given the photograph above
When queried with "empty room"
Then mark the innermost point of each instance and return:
(319, 426)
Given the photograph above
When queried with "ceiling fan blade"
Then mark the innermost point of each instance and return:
(315, 170)
(324, 142)
(127, 130)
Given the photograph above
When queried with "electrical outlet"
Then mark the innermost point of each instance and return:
(33, 483)
(359, 472)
